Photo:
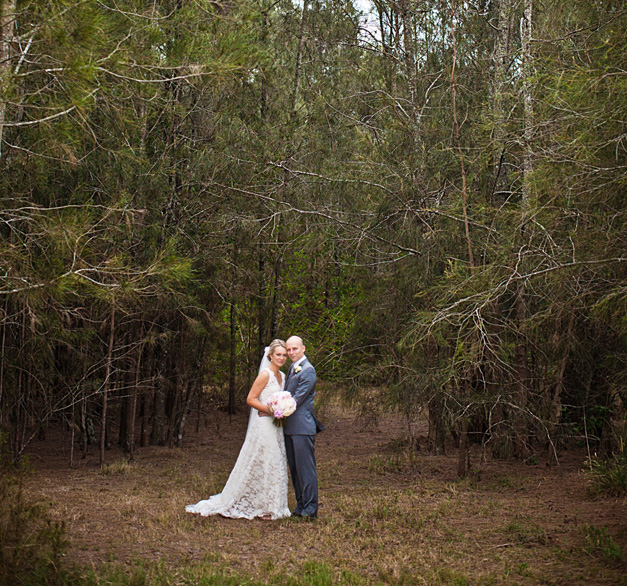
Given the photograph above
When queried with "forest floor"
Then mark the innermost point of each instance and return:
(386, 517)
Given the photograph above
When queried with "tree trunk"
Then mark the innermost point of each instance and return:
(409, 51)
(463, 456)
(261, 319)
(555, 407)
(4, 325)
(124, 414)
(21, 393)
(192, 390)
(527, 59)
(125, 399)
(501, 58)
(263, 110)
(106, 387)
(232, 358)
(84, 430)
(522, 377)
(157, 435)
(145, 410)
(436, 435)
(276, 290)
(133, 416)
(7, 26)
(456, 129)
(521, 368)
(299, 58)
(179, 389)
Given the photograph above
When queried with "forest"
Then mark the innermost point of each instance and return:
(431, 193)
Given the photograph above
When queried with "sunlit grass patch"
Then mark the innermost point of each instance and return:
(119, 467)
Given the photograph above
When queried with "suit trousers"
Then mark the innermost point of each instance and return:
(301, 458)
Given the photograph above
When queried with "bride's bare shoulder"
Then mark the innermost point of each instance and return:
(263, 375)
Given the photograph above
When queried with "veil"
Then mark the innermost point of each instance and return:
(253, 412)
(264, 359)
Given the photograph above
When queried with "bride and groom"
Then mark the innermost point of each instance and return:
(257, 485)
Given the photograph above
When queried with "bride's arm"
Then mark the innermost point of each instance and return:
(253, 395)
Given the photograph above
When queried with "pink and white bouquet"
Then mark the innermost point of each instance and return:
(283, 405)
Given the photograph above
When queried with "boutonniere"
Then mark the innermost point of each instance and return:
(297, 369)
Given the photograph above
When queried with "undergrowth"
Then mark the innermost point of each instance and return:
(599, 543)
(608, 476)
(31, 544)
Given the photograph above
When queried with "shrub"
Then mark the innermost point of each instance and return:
(31, 545)
(608, 476)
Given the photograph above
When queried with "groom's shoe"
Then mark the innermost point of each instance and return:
(309, 516)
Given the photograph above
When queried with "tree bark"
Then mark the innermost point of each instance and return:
(232, 357)
(7, 25)
(299, 58)
(263, 110)
(522, 371)
(409, 51)
(456, 129)
(436, 434)
(502, 59)
(107, 386)
(261, 319)
(157, 434)
(522, 377)
(555, 407)
(194, 389)
(145, 398)
(527, 59)
(4, 325)
(133, 416)
(463, 454)
(276, 290)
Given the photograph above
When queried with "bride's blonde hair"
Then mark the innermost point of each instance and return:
(274, 345)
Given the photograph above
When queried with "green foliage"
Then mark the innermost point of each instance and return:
(599, 543)
(31, 544)
(167, 162)
(608, 476)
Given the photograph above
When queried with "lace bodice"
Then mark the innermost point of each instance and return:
(257, 485)
(274, 385)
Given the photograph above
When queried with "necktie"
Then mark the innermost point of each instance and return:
(290, 372)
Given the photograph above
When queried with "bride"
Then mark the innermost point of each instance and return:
(257, 486)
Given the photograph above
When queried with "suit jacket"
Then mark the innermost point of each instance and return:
(302, 386)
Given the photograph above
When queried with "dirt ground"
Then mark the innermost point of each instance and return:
(386, 516)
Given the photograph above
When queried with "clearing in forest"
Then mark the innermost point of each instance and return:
(385, 517)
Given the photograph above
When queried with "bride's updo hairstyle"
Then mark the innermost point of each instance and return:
(273, 346)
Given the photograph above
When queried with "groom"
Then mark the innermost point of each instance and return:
(300, 430)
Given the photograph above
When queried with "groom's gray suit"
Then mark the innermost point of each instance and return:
(300, 438)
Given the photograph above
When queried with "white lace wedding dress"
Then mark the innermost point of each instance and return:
(257, 486)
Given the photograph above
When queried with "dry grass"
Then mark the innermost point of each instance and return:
(385, 518)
